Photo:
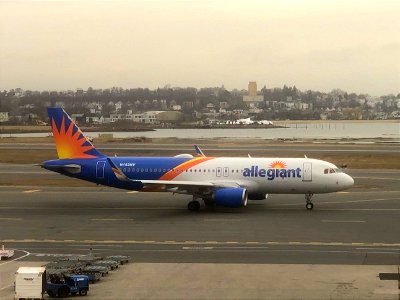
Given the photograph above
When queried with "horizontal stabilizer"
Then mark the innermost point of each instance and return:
(71, 168)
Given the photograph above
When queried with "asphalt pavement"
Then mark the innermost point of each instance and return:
(271, 249)
(359, 226)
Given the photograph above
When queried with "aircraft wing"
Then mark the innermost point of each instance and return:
(177, 186)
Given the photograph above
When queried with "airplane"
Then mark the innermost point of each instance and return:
(217, 181)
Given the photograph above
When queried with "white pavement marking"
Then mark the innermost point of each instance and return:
(371, 248)
(112, 220)
(31, 191)
(223, 220)
(343, 221)
(15, 259)
(378, 178)
(301, 243)
(197, 248)
(343, 202)
(10, 219)
(97, 245)
(132, 192)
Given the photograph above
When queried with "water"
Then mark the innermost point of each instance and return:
(322, 130)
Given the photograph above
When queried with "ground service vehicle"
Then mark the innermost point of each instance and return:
(71, 285)
(30, 283)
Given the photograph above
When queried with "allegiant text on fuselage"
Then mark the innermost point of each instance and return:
(272, 173)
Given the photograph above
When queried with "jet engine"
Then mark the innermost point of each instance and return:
(230, 197)
(256, 196)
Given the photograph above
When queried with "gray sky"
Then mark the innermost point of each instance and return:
(319, 45)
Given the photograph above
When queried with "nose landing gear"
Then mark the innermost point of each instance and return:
(309, 204)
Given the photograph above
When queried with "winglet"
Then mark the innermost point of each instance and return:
(198, 151)
(117, 171)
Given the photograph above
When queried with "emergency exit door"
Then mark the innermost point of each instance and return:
(307, 171)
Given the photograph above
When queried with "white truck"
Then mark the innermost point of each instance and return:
(30, 283)
(6, 253)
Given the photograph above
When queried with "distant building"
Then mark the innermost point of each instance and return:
(252, 88)
(252, 97)
(176, 107)
(4, 117)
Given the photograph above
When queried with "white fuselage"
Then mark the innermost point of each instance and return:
(271, 175)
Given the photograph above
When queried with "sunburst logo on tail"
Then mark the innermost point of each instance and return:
(278, 165)
(70, 141)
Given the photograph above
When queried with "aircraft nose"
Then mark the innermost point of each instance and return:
(348, 181)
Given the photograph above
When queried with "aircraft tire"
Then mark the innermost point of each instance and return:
(309, 206)
(194, 205)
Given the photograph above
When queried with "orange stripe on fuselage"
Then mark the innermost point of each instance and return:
(183, 167)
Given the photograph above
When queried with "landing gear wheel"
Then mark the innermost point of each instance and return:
(309, 206)
(194, 205)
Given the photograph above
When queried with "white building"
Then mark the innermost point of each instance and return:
(4, 116)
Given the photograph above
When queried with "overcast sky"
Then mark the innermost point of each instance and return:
(318, 45)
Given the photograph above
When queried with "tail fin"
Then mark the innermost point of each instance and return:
(69, 139)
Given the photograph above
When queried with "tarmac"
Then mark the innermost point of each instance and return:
(271, 249)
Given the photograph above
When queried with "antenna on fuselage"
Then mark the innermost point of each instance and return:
(305, 156)
(249, 155)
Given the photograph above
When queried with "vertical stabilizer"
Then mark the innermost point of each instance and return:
(69, 139)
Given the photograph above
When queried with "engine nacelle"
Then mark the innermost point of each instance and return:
(230, 197)
(256, 196)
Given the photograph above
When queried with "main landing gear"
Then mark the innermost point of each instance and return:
(194, 205)
(309, 204)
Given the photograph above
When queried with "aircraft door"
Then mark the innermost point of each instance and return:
(219, 172)
(307, 171)
(100, 169)
(226, 172)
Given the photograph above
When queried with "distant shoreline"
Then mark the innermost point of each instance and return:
(10, 129)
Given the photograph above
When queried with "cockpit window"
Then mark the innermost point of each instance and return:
(332, 170)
